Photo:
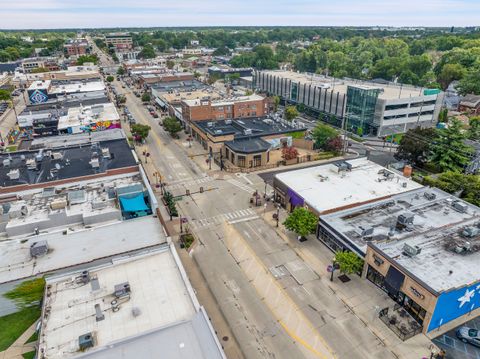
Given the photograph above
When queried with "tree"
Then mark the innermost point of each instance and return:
(121, 71)
(474, 130)
(289, 153)
(39, 70)
(449, 151)
(170, 64)
(290, 113)
(415, 145)
(470, 83)
(449, 73)
(172, 126)
(87, 58)
(221, 51)
(467, 186)
(110, 78)
(148, 52)
(349, 262)
(5, 95)
(146, 97)
(322, 134)
(276, 102)
(301, 221)
(139, 131)
(334, 144)
(443, 115)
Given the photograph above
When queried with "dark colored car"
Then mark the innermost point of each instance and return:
(468, 335)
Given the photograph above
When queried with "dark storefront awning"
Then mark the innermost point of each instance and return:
(394, 280)
(295, 199)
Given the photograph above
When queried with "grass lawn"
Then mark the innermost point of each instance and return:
(33, 338)
(29, 355)
(13, 325)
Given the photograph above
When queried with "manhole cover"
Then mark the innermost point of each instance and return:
(344, 278)
(225, 338)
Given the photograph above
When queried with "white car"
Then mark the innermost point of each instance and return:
(468, 335)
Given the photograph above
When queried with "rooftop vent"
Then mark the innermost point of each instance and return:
(95, 163)
(460, 206)
(247, 131)
(228, 122)
(99, 316)
(366, 231)
(85, 341)
(6, 162)
(411, 251)
(84, 277)
(14, 174)
(122, 290)
(430, 195)
(218, 132)
(38, 249)
(405, 221)
(210, 124)
(471, 231)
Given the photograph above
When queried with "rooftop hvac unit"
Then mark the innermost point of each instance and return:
(460, 206)
(411, 251)
(58, 204)
(218, 132)
(430, 195)
(6, 162)
(84, 277)
(95, 163)
(57, 156)
(122, 290)
(14, 174)
(99, 316)
(210, 124)
(106, 153)
(31, 164)
(228, 122)
(38, 249)
(85, 341)
(247, 131)
(471, 231)
(366, 232)
(39, 156)
(405, 218)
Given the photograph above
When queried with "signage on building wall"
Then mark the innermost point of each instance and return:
(416, 293)
(454, 304)
(38, 96)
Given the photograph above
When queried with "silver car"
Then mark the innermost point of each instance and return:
(469, 335)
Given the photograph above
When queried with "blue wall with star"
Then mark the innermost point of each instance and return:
(449, 305)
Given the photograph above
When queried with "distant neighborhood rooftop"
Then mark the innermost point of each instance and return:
(137, 306)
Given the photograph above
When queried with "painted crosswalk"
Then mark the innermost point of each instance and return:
(188, 183)
(241, 185)
(240, 215)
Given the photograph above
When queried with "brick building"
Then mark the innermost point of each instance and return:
(121, 41)
(76, 47)
(237, 107)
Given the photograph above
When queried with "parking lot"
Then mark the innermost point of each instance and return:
(455, 348)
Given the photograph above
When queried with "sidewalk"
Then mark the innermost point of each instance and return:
(361, 297)
(19, 347)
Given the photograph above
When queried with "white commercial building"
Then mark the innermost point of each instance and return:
(139, 306)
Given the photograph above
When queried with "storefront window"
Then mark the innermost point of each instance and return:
(240, 161)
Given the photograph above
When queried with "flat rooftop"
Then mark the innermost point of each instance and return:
(389, 91)
(245, 127)
(190, 95)
(69, 248)
(448, 237)
(75, 87)
(159, 311)
(325, 188)
(186, 85)
(226, 101)
(64, 162)
(103, 113)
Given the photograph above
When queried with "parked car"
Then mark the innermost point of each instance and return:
(468, 335)
(154, 114)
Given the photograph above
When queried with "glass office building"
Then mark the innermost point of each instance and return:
(360, 110)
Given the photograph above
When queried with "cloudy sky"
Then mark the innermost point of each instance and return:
(35, 14)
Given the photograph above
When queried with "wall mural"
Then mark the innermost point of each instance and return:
(38, 96)
(100, 126)
(454, 304)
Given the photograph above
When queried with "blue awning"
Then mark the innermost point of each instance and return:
(134, 204)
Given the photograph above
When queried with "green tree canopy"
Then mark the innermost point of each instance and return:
(5, 95)
(474, 130)
(146, 97)
(349, 262)
(110, 78)
(449, 151)
(301, 221)
(172, 126)
(140, 131)
(148, 52)
(322, 134)
(470, 83)
(121, 71)
(467, 186)
(87, 58)
(415, 145)
(290, 113)
(449, 73)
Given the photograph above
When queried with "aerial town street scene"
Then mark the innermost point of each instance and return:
(273, 180)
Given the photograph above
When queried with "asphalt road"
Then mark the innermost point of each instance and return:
(455, 348)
